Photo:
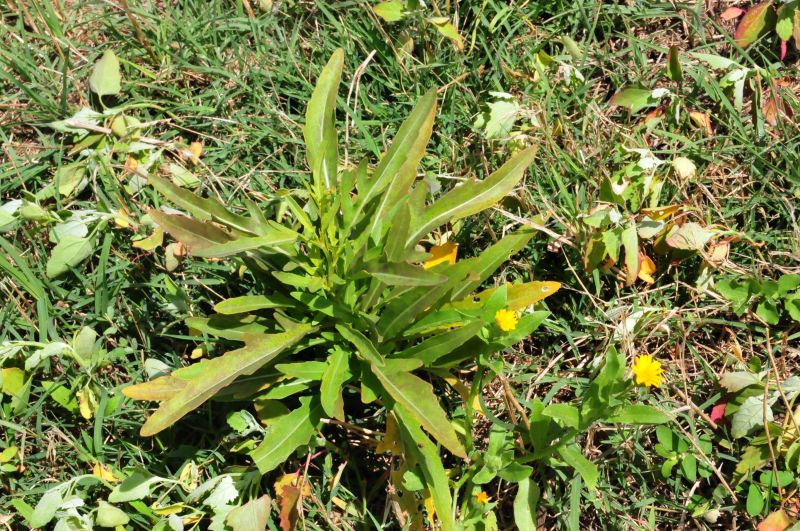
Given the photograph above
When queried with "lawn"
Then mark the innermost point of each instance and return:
(478, 264)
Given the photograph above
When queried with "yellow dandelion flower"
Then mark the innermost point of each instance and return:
(506, 320)
(647, 371)
(482, 497)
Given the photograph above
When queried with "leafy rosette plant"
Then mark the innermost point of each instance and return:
(355, 315)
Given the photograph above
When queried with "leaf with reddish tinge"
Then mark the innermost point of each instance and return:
(732, 13)
(777, 521)
(288, 502)
(755, 23)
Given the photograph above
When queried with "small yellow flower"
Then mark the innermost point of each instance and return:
(482, 497)
(647, 371)
(506, 320)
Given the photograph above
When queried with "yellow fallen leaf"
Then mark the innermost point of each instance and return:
(291, 480)
(429, 507)
(441, 254)
(391, 440)
(103, 472)
(659, 213)
(131, 164)
(463, 391)
(196, 149)
(646, 269)
(86, 402)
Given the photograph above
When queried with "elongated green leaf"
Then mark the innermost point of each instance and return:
(574, 458)
(398, 168)
(366, 349)
(481, 267)
(639, 414)
(245, 244)
(473, 197)
(442, 344)
(395, 249)
(674, 70)
(407, 309)
(525, 503)
(69, 252)
(417, 397)
(233, 327)
(405, 275)
(335, 375)
(630, 240)
(427, 456)
(307, 370)
(220, 372)
(287, 434)
(194, 234)
(251, 303)
(320, 129)
(203, 209)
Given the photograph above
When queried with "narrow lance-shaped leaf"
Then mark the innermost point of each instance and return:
(287, 434)
(398, 168)
(221, 372)
(405, 275)
(417, 397)
(630, 241)
(334, 376)
(320, 128)
(265, 243)
(482, 266)
(473, 197)
(427, 456)
(194, 234)
(204, 209)
(442, 344)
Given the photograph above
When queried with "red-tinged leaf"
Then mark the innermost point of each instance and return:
(732, 13)
(288, 502)
(718, 411)
(777, 521)
(758, 20)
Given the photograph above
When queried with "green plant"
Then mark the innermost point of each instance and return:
(775, 298)
(354, 314)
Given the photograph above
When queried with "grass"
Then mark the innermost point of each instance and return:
(208, 72)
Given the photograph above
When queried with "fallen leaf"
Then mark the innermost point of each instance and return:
(660, 213)
(292, 480)
(441, 254)
(684, 168)
(702, 120)
(391, 439)
(646, 269)
(288, 500)
(718, 252)
(777, 521)
(718, 411)
(196, 149)
(731, 13)
(103, 472)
